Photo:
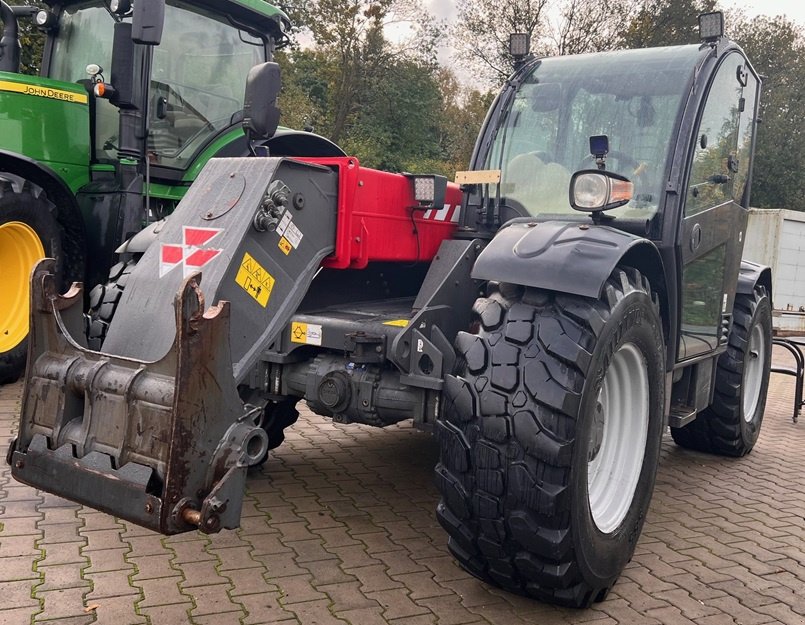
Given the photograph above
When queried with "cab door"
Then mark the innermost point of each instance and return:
(716, 207)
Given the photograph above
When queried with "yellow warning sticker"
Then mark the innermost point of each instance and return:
(255, 280)
(285, 246)
(43, 92)
(399, 323)
(306, 333)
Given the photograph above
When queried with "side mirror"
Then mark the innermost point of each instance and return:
(261, 116)
(122, 76)
(593, 190)
(148, 21)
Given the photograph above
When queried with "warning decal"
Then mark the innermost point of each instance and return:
(306, 333)
(255, 280)
(285, 246)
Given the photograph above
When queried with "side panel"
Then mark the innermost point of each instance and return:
(47, 121)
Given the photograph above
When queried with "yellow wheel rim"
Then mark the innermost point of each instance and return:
(20, 249)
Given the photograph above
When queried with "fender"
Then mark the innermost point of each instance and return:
(575, 258)
(288, 142)
(752, 274)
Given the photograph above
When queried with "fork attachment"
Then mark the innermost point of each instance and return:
(163, 444)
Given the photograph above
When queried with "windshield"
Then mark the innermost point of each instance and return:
(197, 82)
(632, 96)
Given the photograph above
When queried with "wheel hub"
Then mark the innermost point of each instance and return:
(20, 249)
(617, 438)
(754, 362)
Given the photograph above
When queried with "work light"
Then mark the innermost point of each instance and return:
(711, 26)
(519, 44)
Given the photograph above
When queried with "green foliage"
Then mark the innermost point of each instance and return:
(32, 40)
(388, 104)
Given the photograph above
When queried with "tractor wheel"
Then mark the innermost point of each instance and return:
(551, 436)
(29, 232)
(731, 424)
(103, 301)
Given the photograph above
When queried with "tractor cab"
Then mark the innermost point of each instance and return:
(196, 75)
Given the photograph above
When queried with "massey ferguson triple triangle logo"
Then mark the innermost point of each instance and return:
(192, 255)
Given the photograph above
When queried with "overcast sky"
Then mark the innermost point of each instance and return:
(794, 9)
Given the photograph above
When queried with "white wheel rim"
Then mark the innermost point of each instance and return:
(754, 360)
(618, 438)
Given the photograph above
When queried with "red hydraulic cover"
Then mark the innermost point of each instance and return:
(375, 211)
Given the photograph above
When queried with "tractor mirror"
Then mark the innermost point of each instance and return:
(593, 190)
(147, 21)
(261, 116)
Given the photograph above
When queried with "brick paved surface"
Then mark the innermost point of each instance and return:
(340, 528)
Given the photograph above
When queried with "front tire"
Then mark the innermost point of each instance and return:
(29, 232)
(730, 426)
(551, 436)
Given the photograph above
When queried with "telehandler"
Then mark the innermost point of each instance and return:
(580, 291)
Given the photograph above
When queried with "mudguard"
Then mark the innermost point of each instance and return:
(559, 256)
(751, 274)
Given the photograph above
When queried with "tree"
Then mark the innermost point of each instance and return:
(665, 23)
(482, 29)
(32, 40)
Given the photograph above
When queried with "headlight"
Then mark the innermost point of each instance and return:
(597, 190)
(591, 191)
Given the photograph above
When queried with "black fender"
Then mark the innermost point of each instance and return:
(558, 256)
(284, 142)
(69, 214)
(288, 142)
(574, 258)
(752, 274)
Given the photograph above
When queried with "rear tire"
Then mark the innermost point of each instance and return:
(730, 426)
(29, 232)
(550, 438)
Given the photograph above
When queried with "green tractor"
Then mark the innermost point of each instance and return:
(114, 131)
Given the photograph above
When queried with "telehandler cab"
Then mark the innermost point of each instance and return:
(581, 291)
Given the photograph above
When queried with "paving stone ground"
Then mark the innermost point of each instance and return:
(339, 528)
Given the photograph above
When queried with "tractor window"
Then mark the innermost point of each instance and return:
(633, 97)
(198, 81)
(84, 37)
(716, 159)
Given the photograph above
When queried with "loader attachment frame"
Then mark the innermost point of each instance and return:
(163, 444)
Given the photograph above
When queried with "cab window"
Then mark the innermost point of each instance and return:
(198, 81)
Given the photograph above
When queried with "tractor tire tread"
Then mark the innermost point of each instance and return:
(506, 439)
